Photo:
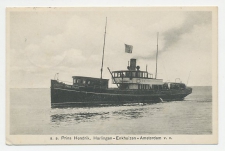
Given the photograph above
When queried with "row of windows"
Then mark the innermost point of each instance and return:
(147, 86)
(132, 74)
(90, 82)
(81, 81)
(144, 86)
(177, 86)
(160, 87)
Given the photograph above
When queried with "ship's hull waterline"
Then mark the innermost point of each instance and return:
(71, 97)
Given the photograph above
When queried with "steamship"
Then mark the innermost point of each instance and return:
(133, 86)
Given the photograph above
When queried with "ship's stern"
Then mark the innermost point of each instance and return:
(189, 90)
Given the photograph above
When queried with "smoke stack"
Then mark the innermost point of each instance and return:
(132, 64)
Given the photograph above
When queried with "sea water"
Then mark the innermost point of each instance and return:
(31, 114)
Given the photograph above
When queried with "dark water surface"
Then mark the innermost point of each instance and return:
(31, 113)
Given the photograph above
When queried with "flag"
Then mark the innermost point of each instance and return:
(128, 48)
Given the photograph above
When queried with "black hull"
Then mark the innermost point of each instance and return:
(71, 97)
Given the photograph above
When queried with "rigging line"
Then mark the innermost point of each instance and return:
(188, 77)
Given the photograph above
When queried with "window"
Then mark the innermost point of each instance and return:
(133, 74)
(123, 74)
(165, 86)
(115, 74)
(150, 76)
(160, 87)
(155, 87)
(144, 75)
(127, 74)
(78, 80)
(138, 74)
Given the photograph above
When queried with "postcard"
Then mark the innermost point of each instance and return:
(111, 75)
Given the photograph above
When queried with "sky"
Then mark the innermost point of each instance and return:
(70, 42)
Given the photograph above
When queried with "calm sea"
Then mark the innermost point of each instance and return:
(31, 113)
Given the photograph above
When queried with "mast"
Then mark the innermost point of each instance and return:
(156, 57)
(103, 48)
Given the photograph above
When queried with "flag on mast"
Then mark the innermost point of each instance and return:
(128, 48)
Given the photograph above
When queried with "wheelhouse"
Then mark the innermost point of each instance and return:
(132, 74)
